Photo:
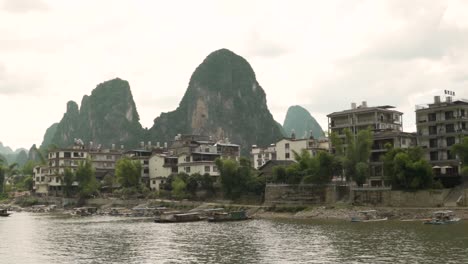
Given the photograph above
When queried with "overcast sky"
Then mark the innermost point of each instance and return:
(322, 55)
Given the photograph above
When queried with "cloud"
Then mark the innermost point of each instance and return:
(15, 84)
(23, 6)
(262, 46)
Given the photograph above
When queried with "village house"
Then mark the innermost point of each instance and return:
(284, 149)
(190, 154)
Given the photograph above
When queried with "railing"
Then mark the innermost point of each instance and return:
(371, 188)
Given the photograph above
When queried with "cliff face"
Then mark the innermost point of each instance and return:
(223, 100)
(299, 119)
(108, 116)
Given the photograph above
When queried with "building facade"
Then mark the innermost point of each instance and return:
(440, 125)
(284, 149)
(190, 154)
(386, 125)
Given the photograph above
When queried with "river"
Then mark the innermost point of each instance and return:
(53, 238)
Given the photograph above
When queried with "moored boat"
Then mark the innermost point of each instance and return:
(229, 216)
(179, 217)
(367, 216)
(4, 212)
(442, 218)
(84, 211)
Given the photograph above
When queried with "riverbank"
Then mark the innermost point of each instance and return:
(341, 211)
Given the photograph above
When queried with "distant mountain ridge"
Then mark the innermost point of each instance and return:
(302, 122)
(107, 116)
(223, 100)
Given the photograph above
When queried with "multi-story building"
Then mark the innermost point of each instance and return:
(48, 179)
(40, 180)
(378, 118)
(382, 140)
(387, 127)
(284, 149)
(440, 125)
(190, 154)
(260, 156)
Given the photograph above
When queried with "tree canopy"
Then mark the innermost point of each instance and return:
(128, 172)
(406, 169)
(461, 149)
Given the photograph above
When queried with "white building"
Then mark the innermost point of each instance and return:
(190, 154)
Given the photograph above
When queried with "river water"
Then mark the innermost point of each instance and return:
(53, 238)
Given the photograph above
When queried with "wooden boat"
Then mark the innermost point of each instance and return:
(4, 212)
(169, 217)
(367, 216)
(229, 216)
(84, 211)
(442, 218)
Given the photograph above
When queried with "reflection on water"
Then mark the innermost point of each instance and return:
(46, 238)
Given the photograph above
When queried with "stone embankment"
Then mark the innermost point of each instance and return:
(346, 213)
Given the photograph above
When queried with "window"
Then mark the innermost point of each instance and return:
(175, 170)
(431, 117)
(187, 159)
(215, 169)
(145, 170)
(187, 169)
(145, 162)
(450, 155)
(449, 115)
(154, 181)
(67, 155)
(450, 128)
(207, 149)
(434, 155)
(286, 146)
(56, 179)
(207, 168)
(433, 143)
(259, 163)
(462, 112)
(286, 156)
(463, 125)
(109, 157)
(432, 130)
(450, 141)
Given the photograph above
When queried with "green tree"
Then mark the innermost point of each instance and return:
(28, 167)
(128, 172)
(68, 179)
(358, 150)
(461, 149)
(178, 187)
(87, 183)
(2, 174)
(407, 169)
(207, 182)
(192, 183)
(237, 178)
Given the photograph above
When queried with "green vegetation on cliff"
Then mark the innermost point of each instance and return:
(223, 100)
(108, 116)
(299, 119)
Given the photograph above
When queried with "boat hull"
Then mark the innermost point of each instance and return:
(370, 220)
(439, 222)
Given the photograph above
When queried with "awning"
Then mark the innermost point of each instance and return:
(447, 167)
(436, 167)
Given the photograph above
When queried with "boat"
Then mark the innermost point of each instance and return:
(442, 218)
(168, 217)
(367, 216)
(84, 211)
(229, 216)
(4, 212)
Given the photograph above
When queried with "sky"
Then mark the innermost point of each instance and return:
(321, 55)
